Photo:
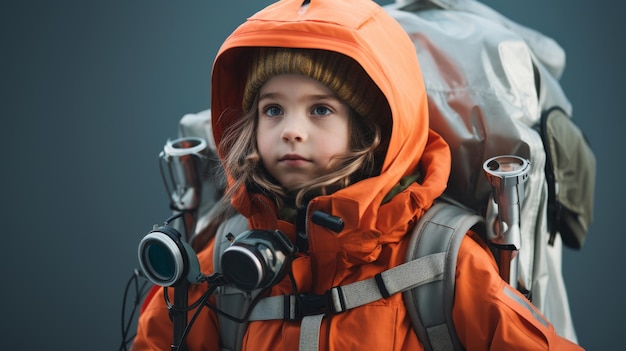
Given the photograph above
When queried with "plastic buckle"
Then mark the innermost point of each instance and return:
(312, 304)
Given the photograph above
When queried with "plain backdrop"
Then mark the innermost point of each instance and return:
(91, 90)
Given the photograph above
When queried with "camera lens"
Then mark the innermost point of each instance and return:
(242, 267)
(160, 261)
(256, 259)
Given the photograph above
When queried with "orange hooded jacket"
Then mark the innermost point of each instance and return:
(488, 313)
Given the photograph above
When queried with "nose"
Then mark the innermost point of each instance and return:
(294, 129)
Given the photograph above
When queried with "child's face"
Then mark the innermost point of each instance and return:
(301, 127)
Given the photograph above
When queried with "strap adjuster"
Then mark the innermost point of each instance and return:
(330, 302)
(311, 304)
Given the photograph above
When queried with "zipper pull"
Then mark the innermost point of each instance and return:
(327, 221)
(302, 238)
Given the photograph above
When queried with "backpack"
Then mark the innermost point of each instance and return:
(493, 89)
(511, 103)
(499, 94)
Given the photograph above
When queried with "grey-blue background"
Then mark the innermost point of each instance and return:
(91, 90)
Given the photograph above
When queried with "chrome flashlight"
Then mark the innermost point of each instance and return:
(507, 175)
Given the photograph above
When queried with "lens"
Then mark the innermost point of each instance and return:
(160, 261)
(242, 268)
(256, 259)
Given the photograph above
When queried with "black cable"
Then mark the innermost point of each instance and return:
(244, 319)
(173, 217)
(200, 303)
(173, 307)
(205, 296)
(123, 329)
(139, 294)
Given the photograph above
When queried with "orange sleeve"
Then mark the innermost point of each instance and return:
(155, 330)
(489, 314)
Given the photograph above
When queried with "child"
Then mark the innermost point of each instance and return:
(322, 107)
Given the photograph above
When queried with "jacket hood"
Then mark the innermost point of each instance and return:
(362, 30)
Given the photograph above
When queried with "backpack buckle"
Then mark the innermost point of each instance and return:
(330, 302)
(312, 304)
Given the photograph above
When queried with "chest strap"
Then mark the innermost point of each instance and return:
(311, 308)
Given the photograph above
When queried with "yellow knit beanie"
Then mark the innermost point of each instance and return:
(342, 75)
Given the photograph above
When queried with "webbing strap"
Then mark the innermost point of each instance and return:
(309, 332)
(440, 338)
(275, 307)
(400, 278)
(441, 229)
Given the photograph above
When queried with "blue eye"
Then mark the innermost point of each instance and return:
(321, 110)
(272, 111)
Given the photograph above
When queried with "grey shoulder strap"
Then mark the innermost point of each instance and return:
(440, 230)
(228, 299)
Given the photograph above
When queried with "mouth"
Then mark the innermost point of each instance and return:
(292, 157)
(293, 160)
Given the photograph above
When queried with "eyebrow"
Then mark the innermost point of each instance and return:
(308, 97)
(268, 96)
